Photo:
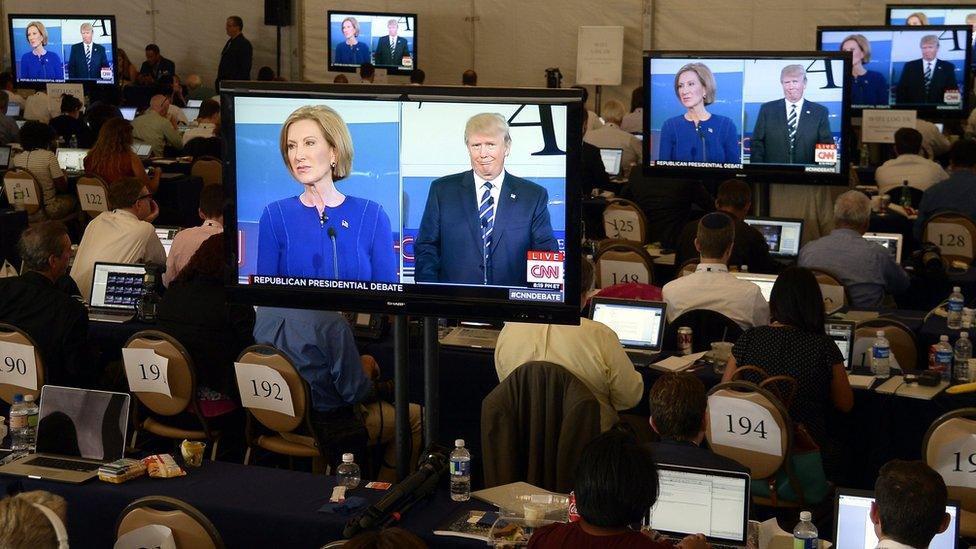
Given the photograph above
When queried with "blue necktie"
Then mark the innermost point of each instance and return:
(486, 212)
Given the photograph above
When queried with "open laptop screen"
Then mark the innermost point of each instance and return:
(782, 235)
(611, 160)
(765, 282)
(638, 324)
(891, 242)
(707, 501)
(191, 113)
(195, 103)
(13, 110)
(129, 113)
(82, 423)
(72, 159)
(166, 236)
(842, 332)
(854, 529)
(116, 286)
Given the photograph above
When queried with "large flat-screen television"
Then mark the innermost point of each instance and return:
(776, 116)
(926, 69)
(933, 14)
(373, 198)
(62, 48)
(388, 40)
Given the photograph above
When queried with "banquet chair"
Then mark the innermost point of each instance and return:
(900, 337)
(209, 169)
(22, 178)
(620, 261)
(950, 433)
(182, 381)
(190, 527)
(833, 290)
(953, 233)
(624, 220)
(12, 334)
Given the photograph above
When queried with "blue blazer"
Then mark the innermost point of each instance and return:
(78, 66)
(680, 141)
(46, 67)
(352, 55)
(448, 248)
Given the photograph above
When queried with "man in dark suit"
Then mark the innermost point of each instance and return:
(389, 50)
(237, 55)
(87, 58)
(926, 80)
(787, 130)
(461, 239)
(155, 66)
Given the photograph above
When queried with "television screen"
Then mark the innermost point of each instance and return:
(781, 117)
(405, 199)
(921, 68)
(934, 14)
(388, 40)
(62, 48)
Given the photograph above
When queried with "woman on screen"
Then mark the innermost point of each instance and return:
(352, 51)
(697, 135)
(917, 19)
(39, 63)
(323, 233)
(869, 87)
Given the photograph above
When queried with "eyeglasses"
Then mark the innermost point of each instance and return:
(483, 147)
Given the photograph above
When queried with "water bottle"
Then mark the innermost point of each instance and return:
(347, 473)
(32, 412)
(805, 534)
(460, 472)
(906, 195)
(943, 358)
(73, 143)
(18, 426)
(881, 356)
(962, 352)
(954, 309)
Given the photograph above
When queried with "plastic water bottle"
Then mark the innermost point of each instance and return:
(32, 412)
(943, 358)
(460, 472)
(962, 352)
(906, 195)
(805, 534)
(19, 442)
(881, 356)
(73, 143)
(347, 473)
(954, 309)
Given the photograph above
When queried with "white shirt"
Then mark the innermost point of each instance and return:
(117, 236)
(633, 122)
(205, 129)
(712, 287)
(39, 107)
(590, 351)
(185, 244)
(496, 189)
(799, 110)
(891, 544)
(921, 173)
(933, 142)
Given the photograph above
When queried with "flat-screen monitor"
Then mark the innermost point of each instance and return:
(781, 234)
(922, 68)
(388, 40)
(764, 281)
(62, 48)
(639, 325)
(933, 14)
(854, 529)
(410, 225)
(892, 242)
(773, 116)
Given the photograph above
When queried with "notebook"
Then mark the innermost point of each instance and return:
(639, 325)
(764, 281)
(78, 430)
(129, 113)
(611, 160)
(781, 234)
(115, 292)
(695, 500)
(891, 242)
(853, 528)
(72, 160)
(166, 236)
(842, 332)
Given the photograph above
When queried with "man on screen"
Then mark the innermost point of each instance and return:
(926, 80)
(390, 50)
(787, 130)
(479, 225)
(87, 58)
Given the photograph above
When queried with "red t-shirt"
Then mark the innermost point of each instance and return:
(563, 535)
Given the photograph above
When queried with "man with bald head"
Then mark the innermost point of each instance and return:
(196, 89)
(154, 127)
(87, 58)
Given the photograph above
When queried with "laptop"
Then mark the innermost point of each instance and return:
(191, 113)
(5, 154)
(781, 234)
(842, 332)
(694, 500)
(611, 160)
(471, 335)
(78, 431)
(764, 281)
(129, 113)
(72, 161)
(20, 123)
(853, 528)
(115, 291)
(13, 110)
(166, 236)
(639, 325)
(142, 150)
(891, 242)
(194, 103)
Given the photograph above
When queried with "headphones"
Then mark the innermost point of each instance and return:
(59, 530)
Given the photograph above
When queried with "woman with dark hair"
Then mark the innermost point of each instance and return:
(37, 139)
(616, 484)
(795, 344)
(196, 311)
(112, 158)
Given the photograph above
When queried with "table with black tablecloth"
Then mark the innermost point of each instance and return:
(179, 200)
(12, 223)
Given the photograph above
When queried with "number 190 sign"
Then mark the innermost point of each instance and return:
(17, 365)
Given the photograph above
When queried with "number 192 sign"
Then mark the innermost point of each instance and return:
(263, 387)
(146, 371)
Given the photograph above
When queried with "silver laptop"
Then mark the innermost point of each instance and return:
(639, 325)
(5, 154)
(853, 527)
(166, 236)
(842, 332)
(13, 110)
(781, 234)
(142, 150)
(115, 291)
(72, 160)
(78, 431)
(695, 500)
(473, 335)
(764, 281)
(191, 113)
(611, 160)
(129, 113)
(891, 242)
(194, 103)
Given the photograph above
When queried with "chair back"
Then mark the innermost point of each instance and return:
(209, 169)
(180, 373)
(900, 337)
(707, 327)
(622, 261)
(833, 290)
(949, 447)
(953, 233)
(750, 425)
(688, 267)
(190, 527)
(783, 387)
(266, 355)
(21, 182)
(13, 334)
(92, 195)
(624, 220)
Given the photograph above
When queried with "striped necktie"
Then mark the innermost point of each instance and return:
(791, 125)
(486, 212)
(928, 75)
(88, 56)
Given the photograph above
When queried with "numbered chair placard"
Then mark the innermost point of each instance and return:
(613, 271)
(23, 188)
(952, 239)
(92, 198)
(743, 424)
(622, 224)
(154, 536)
(17, 365)
(263, 387)
(957, 462)
(833, 297)
(146, 371)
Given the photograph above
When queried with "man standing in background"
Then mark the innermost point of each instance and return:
(235, 59)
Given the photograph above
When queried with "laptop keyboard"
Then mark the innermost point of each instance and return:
(63, 464)
(676, 541)
(642, 359)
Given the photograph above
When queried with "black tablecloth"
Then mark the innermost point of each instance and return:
(179, 201)
(12, 223)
